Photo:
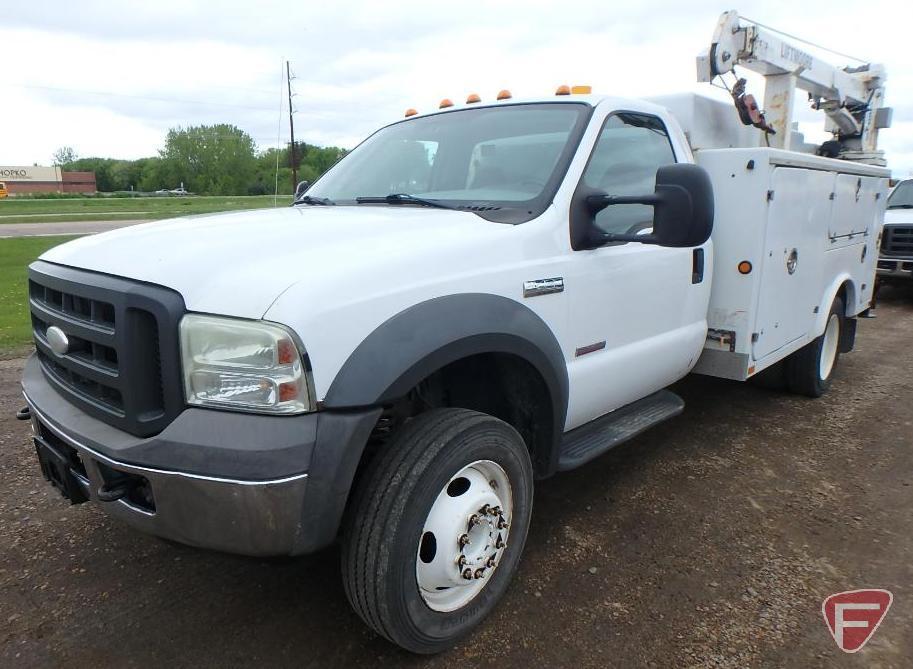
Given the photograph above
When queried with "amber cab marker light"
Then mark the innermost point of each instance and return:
(581, 90)
(446, 102)
(744, 267)
(411, 112)
(472, 98)
(504, 95)
(563, 90)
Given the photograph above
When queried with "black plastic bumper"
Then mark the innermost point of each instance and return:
(240, 483)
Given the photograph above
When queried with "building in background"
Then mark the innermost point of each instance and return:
(21, 180)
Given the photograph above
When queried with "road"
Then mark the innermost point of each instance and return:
(709, 541)
(8, 230)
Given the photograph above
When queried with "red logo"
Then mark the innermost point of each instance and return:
(853, 616)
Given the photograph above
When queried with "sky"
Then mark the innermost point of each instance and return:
(110, 79)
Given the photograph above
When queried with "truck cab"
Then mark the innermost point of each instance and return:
(895, 260)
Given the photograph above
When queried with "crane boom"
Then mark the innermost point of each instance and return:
(851, 97)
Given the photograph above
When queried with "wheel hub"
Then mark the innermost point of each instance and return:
(479, 546)
(464, 536)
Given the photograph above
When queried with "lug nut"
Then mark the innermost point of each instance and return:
(485, 510)
(496, 511)
(479, 573)
(464, 540)
(499, 543)
(461, 561)
(467, 574)
(502, 524)
(474, 519)
(490, 563)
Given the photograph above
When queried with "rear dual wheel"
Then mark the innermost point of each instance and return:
(810, 370)
(436, 528)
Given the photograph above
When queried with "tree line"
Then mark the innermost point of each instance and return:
(209, 160)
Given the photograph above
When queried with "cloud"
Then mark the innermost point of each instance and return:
(113, 82)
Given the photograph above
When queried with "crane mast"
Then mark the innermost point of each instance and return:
(851, 97)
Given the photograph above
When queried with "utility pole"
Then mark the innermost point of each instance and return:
(291, 125)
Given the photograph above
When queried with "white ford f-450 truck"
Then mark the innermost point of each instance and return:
(471, 300)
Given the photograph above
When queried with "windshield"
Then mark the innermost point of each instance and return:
(504, 163)
(902, 197)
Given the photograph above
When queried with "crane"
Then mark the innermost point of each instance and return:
(851, 97)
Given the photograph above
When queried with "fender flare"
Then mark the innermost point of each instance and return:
(415, 343)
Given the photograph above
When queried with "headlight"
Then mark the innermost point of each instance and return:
(237, 364)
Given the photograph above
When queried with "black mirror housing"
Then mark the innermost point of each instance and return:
(684, 215)
(682, 210)
(301, 188)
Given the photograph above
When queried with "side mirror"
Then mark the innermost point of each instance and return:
(301, 188)
(682, 208)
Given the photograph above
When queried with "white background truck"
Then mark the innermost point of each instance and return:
(896, 259)
(470, 300)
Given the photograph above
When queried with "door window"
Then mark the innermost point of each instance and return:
(630, 148)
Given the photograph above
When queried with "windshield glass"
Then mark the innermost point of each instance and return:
(503, 162)
(902, 197)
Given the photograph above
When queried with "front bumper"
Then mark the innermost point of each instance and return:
(239, 483)
(895, 268)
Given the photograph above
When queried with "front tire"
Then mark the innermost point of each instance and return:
(810, 370)
(436, 528)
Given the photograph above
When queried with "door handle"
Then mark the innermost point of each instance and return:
(697, 266)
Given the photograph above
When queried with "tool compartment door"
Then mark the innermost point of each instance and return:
(798, 216)
(855, 207)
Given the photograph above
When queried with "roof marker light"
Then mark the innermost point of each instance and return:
(581, 90)
(563, 89)
(411, 112)
(472, 98)
(446, 102)
(504, 95)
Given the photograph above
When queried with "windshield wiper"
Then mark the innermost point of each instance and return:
(310, 199)
(403, 198)
(900, 206)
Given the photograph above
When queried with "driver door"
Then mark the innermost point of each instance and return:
(638, 321)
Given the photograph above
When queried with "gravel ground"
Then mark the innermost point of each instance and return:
(709, 541)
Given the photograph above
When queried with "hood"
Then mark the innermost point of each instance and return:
(894, 216)
(237, 264)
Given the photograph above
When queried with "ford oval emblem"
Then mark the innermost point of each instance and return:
(57, 340)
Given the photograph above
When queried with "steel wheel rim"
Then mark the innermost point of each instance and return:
(464, 536)
(829, 347)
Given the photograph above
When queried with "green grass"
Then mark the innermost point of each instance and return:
(22, 210)
(15, 256)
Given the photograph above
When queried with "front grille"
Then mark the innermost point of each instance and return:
(897, 241)
(122, 362)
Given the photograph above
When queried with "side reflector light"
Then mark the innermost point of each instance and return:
(473, 98)
(581, 90)
(411, 112)
(446, 102)
(504, 95)
(744, 267)
(564, 89)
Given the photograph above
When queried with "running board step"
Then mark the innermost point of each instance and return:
(593, 439)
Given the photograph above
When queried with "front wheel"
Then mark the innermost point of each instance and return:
(437, 527)
(810, 370)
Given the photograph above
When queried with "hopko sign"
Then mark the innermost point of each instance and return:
(30, 174)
